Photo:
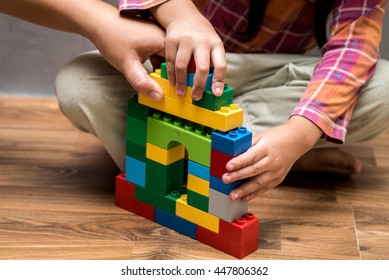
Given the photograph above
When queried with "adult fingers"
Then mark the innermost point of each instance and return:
(138, 77)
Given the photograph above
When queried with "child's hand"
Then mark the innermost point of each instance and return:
(189, 33)
(271, 157)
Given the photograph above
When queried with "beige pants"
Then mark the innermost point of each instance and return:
(93, 95)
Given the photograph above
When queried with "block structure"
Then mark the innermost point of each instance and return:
(176, 155)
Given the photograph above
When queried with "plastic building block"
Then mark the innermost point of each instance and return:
(211, 102)
(164, 70)
(225, 119)
(163, 132)
(190, 80)
(243, 228)
(196, 216)
(198, 185)
(218, 163)
(176, 223)
(164, 172)
(220, 205)
(137, 110)
(164, 156)
(163, 83)
(166, 203)
(217, 184)
(197, 200)
(220, 242)
(125, 198)
(198, 170)
(136, 131)
(233, 142)
(136, 151)
(135, 171)
(164, 187)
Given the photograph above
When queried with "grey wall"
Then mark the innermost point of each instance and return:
(30, 55)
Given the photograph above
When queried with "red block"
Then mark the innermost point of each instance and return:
(233, 248)
(122, 186)
(125, 198)
(218, 163)
(240, 230)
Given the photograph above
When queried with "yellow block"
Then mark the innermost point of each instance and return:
(163, 156)
(170, 90)
(198, 185)
(225, 119)
(195, 215)
(163, 83)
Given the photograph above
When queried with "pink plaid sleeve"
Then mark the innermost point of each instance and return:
(348, 62)
(138, 4)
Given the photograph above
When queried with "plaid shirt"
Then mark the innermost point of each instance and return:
(349, 57)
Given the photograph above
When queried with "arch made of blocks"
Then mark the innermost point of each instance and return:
(167, 140)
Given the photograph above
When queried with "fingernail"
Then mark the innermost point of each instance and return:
(226, 178)
(180, 92)
(195, 97)
(218, 91)
(230, 167)
(235, 196)
(156, 96)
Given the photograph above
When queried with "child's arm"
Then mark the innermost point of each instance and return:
(125, 43)
(189, 33)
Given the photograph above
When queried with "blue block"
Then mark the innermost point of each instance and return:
(190, 78)
(218, 185)
(176, 223)
(233, 142)
(135, 171)
(198, 170)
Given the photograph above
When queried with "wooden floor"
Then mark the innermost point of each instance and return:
(57, 201)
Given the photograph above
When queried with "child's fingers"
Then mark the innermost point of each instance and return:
(171, 53)
(202, 59)
(254, 168)
(220, 70)
(182, 59)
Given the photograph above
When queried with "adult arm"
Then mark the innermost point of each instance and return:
(125, 43)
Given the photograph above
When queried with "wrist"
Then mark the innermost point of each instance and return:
(309, 133)
(173, 10)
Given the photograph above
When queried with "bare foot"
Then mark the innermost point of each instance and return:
(329, 160)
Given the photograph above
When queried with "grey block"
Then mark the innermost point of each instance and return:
(222, 207)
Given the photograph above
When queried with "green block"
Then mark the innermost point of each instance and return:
(136, 131)
(164, 187)
(164, 172)
(166, 203)
(137, 110)
(214, 103)
(136, 151)
(163, 70)
(197, 200)
(164, 131)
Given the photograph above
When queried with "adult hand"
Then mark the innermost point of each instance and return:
(126, 44)
(189, 33)
(270, 158)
